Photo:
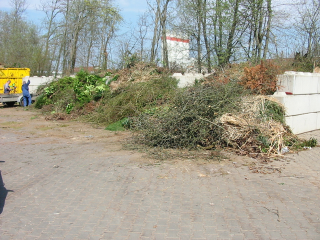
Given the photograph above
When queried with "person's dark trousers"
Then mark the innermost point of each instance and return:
(3, 194)
(26, 100)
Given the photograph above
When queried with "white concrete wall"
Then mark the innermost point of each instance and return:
(303, 106)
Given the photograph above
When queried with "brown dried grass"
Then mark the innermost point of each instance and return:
(242, 130)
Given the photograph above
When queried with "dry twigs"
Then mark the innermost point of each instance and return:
(253, 130)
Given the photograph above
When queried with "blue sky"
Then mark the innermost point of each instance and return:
(129, 9)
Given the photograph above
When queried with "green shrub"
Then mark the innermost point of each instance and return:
(134, 99)
(191, 119)
(41, 101)
(71, 93)
(297, 144)
(312, 142)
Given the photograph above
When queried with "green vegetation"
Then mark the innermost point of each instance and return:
(118, 126)
(214, 113)
(298, 144)
(68, 94)
(189, 120)
(134, 99)
(272, 110)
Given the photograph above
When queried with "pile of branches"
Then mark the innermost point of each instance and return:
(258, 129)
(190, 119)
(215, 116)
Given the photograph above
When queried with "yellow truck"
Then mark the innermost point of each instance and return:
(15, 75)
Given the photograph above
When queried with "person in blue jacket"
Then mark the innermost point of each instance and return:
(26, 94)
(7, 88)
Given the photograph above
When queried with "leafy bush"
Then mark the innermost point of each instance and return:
(68, 93)
(134, 99)
(261, 79)
(297, 144)
(41, 101)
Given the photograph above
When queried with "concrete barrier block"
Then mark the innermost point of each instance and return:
(303, 123)
(314, 101)
(318, 89)
(288, 120)
(284, 81)
(294, 104)
(318, 120)
(299, 83)
(185, 81)
(198, 76)
(35, 82)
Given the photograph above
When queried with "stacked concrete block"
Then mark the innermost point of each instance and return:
(303, 123)
(299, 83)
(300, 94)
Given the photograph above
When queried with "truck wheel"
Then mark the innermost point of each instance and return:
(21, 102)
(10, 104)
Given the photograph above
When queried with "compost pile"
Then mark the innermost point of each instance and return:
(258, 129)
(209, 115)
(215, 117)
(140, 72)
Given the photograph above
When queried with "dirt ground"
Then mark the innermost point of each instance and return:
(72, 180)
(31, 123)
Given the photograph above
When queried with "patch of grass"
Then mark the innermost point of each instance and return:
(312, 142)
(62, 125)
(118, 126)
(11, 124)
(298, 144)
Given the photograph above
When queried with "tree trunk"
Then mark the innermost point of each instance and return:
(230, 43)
(163, 20)
(205, 36)
(266, 46)
(155, 38)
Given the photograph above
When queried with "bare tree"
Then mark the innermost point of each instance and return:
(19, 8)
(51, 10)
(160, 29)
(308, 26)
(79, 32)
(20, 44)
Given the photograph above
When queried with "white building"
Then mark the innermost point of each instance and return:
(178, 50)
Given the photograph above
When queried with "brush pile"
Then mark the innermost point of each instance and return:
(220, 116)
(257, 129)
